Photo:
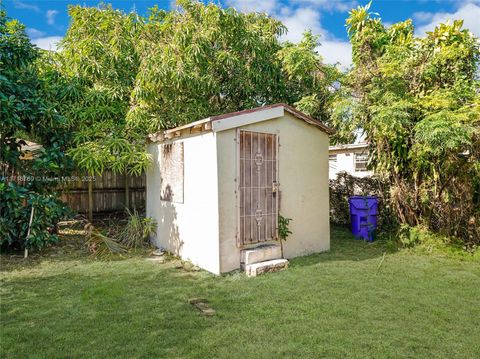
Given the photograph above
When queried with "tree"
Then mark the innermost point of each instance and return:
(94, 75)
(311, 86)
(418, 101)
(92, 78)
(26, 189)
(199, 60)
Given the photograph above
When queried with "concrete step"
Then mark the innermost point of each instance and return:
(274, 265)
(261, 253)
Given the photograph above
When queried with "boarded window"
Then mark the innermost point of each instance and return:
(171, 172)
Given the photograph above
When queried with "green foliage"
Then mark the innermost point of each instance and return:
(419, 239)
(15, 208)
(411, 236)
(418, 103)
(92, 78)
(283, 229)
(26, 113)
(121, 76)
(200, 60)
(137, 230)
(310, 85)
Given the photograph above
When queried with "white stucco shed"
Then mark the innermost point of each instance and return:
(216, 185)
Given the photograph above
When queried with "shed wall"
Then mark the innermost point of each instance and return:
(188, 229)
(303, 178)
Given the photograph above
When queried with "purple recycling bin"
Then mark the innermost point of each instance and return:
(363, 216)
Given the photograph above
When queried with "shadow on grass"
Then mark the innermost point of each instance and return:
(70, 249)
(344, 247)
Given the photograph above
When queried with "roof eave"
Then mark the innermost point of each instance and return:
(244, 117)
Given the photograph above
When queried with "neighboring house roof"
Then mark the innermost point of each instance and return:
(240, 118)
(351, 146)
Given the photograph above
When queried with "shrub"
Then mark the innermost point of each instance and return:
(15, 209)
(137, 231)
(26, 114)
(417, 101)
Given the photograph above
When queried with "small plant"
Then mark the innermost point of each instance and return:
(138, 229)
(409, 236)
(283, 230)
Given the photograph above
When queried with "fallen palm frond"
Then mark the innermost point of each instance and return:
(100, 245)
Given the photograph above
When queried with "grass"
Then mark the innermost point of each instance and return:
(357, 301)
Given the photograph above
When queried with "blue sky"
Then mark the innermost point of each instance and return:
(48, 20)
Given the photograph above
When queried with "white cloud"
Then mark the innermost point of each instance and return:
(330, 5)
(305, 15)
(423, 16)
(50, 14)
(332, 50)
(336, 51)
(469, 13)
(48, 43)
(25, 6)
(268, 6)
(34, 33)
(298, 21)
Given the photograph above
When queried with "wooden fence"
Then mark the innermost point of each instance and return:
(110, 192)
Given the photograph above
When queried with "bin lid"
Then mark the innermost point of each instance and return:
(362, 202)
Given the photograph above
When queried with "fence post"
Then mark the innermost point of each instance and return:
(90, 200)
(127, 191)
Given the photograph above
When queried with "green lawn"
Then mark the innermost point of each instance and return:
(347, 303)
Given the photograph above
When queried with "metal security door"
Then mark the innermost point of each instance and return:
(258, 187)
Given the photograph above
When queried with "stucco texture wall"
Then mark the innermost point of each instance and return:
(188, 229)
(303, 178)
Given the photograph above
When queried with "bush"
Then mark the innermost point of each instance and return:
(16, 204)
(27, 114)
(346, 185)
(137, 231)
